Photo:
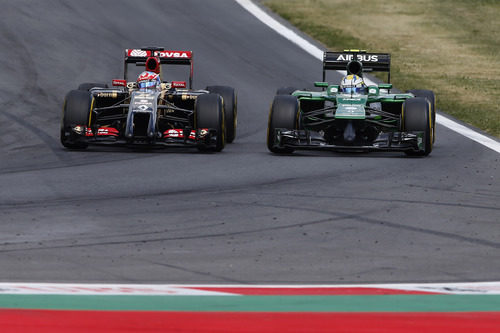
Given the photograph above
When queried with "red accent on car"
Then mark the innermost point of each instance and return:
(171, 54)
(138, 53)
(178, 133)
(146, 76)
(107, 131)
(119, 83)
(178, 84)
(102, 131)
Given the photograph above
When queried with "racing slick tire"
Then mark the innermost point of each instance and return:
(209, 113)
(76, 111)
(417, 116)
(88, 85)
(285, 90)
(283, 114)
(429, 95)
(230, 104)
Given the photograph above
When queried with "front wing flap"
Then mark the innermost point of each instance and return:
(310, 140)
(172, 137)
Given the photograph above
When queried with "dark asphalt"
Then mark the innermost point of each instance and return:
(241, 216)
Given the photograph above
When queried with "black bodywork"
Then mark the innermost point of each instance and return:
(124, 114)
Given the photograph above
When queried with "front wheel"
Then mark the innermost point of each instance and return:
(417, 117)
(429, 95)
(230, 105)
(209, 114)
(76, 112)
(283, 114)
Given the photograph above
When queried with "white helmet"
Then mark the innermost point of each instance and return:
(353, 84)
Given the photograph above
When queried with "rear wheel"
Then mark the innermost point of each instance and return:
(229, 100)
(284, 114)
(88, 85)
(209, 113)
(417, 117)
(76, 111)
(429, 95)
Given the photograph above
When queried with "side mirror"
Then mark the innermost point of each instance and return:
(373, 90)
(119, 83)
(385, 86)
(332, 90)
(321, 84)
(178, 84)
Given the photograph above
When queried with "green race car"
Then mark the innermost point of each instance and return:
(352, 116)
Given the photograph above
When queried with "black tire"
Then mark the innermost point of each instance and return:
(209, 113)
(76, 111)
(230, 104)
(89, 85)
(417, 117)
(429, 95)
(285, 90)
(283, 114)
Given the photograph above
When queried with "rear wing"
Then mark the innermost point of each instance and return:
(372, 62)
(139, 57)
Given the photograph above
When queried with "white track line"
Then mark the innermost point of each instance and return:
(23, 288)
(470, 133)
(318, 54)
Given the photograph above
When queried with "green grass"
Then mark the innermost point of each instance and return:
(449, 46)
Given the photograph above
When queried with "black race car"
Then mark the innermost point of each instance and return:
(167, 113)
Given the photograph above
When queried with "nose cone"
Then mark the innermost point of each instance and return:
(349, 132)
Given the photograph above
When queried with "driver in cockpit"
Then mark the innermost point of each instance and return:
(353, 84)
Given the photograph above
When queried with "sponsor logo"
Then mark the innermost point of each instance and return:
(174, 133)
(102, 131)
(119, 83)
(138, 53)
(108, 94)
(142, 107)
(107, 131)
(143, 102)
(203, 132)
(143, 95)
(173, 54)
(360, 57)
(188, 97)
(79, 129)
(178, 84)
(178, 133)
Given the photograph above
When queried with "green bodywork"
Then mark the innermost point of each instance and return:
(355, 106)
(373, 119)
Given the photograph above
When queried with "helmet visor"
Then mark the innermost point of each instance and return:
(147, 84)
(354, 90)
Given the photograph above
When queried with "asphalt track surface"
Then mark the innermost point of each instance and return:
(240, 216)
